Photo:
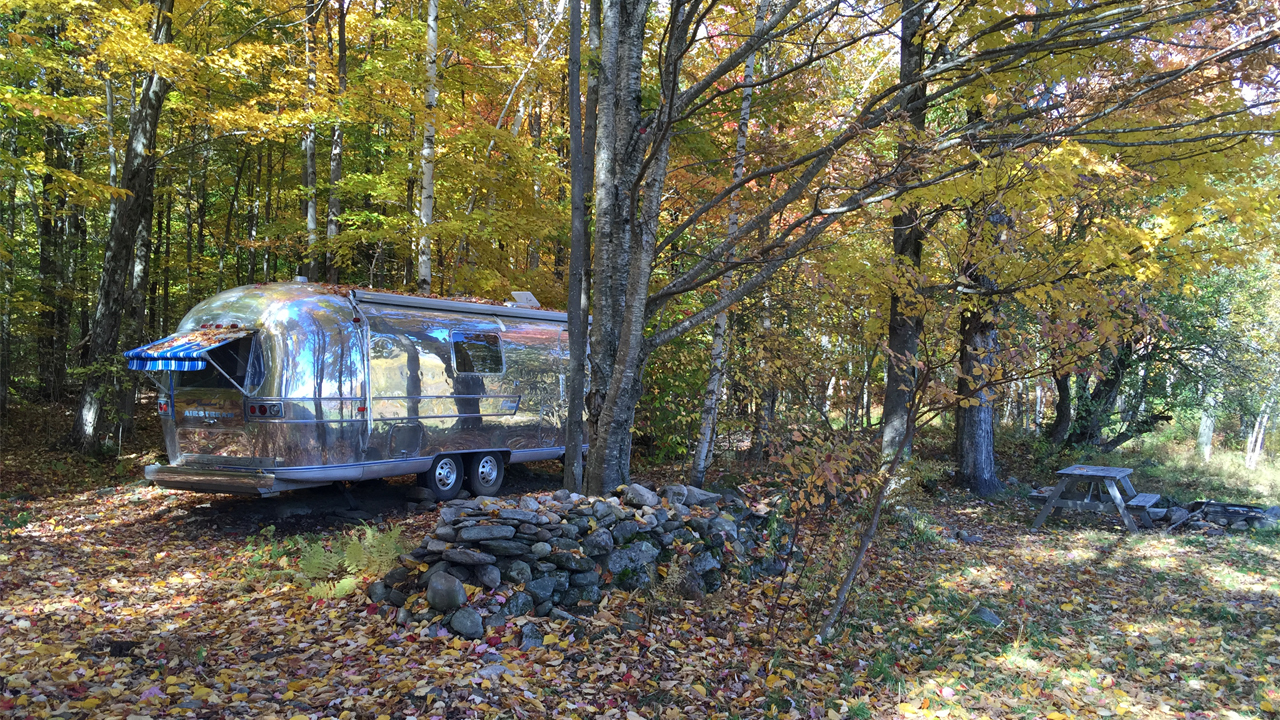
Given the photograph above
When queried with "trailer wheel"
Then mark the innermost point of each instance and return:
(484, 473)
(444, 479)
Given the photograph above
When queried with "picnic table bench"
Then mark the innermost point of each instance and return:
(1097, 480)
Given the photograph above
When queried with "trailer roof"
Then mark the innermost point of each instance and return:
(470, 308)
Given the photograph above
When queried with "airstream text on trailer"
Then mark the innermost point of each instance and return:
(281, 386)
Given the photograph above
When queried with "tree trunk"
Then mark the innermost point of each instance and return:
(578, 253)
(309, 145)
(908, 238)
(335, 148)
(132, 211)
(975, 418)
(1098, 405)
(1208, 419)
(427, 199)
(711, 397)
(1057, 432)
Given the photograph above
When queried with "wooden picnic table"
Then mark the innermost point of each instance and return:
(1096, 479)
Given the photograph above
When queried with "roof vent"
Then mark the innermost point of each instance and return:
(300, 278)
(524, 300)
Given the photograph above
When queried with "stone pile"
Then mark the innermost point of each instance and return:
(492, 559)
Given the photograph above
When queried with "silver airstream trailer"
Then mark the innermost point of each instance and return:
(281, 386)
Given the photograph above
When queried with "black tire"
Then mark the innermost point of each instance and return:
(444, 479)
(484, 473)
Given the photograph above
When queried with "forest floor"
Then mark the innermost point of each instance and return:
(121, 600)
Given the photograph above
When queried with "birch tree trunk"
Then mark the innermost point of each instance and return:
(309, 145)
(1208, 421)
(335, 148)
(427, 181)
(137, 176)
(711, 398)
(578, 253)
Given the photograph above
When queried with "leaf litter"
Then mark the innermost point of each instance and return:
(129, 603)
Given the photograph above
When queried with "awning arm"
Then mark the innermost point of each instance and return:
(217, 367)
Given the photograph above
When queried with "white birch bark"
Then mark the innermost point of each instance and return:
(711, 398)
(427, 198)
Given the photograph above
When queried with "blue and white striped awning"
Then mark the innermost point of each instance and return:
(182, 351)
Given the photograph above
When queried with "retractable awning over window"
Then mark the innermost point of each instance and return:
(182, 351)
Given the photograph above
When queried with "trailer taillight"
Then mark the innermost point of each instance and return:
(162, 407)
(265, 410)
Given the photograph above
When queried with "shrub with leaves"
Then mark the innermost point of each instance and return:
(337, 569)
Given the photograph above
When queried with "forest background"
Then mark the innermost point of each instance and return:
(801, 216)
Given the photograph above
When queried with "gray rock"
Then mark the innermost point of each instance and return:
(601, 510)
(530, 637)
(520, 515)
(437, 567)
(378, 592)
(397, 576)
(564, 544)
(397, 598)
(592, 593)
(598, 542)
(570, 597)
(724, 525)
(667, 539)
(543, 609)
(505, 547)
(1176, 515)
(493, 672)
(1240, 525)
(462, 572)
(1211, 530)
(403, 616)
(982, 614)
(1273, 512)
(675, 494)
(518, 604)
(489, 576)
(560, 495)
(445, 592)
(1264, 523)
(437, 546)
(541, 589)
(698, 496)
(672, 525)
(705, 562)
(495, 620)
(518, 573)
(569, 561)
(486, 532)
(446, 533)
(467, 623)
(638, 495)
(680, 511)
(530, 504)
(527, 529)
(584, 579)
(450, 514)
(633, 557)
(467, 556)
(421, 494)
(540, 550)
(971, 539)
(624, 531)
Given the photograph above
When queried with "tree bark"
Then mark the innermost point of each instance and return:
(578, 254)
(711, 397)
(309, 145)
(1057, 432)
(137, 177)
(905, 321)
(427, 198)
(335, 148)
(975, 418)
(1208, 419)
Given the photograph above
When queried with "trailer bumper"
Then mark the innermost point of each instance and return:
(236, 482)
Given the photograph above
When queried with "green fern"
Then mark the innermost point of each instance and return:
(330, 589)
(317, 561)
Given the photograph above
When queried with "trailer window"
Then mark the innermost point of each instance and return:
(241, 359)
(477, 353)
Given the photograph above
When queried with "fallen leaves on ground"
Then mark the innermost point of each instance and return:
(137, 602)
